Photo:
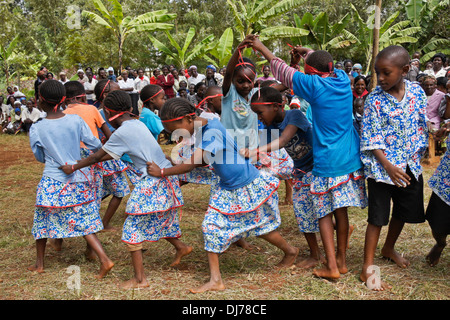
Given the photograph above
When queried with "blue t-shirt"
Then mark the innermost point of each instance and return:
(134, 139)
(56, 142)
(299, 147)
(335, 140)
(222, 154)
(239, 119)
(152, 121)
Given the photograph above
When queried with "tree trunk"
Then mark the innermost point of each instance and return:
(376, 44)
(120, 55)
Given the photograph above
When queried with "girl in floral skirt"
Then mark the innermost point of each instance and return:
(153, 207)
(65, 204)
(245, 201)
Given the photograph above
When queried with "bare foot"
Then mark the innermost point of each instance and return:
(310, 262)
(37, 268)
(109, 228)
(342, 265)
(245, 245)
(327, 273)
(289, 258)
(374, 283)
(134, 284)
(396, 257)
(56, 244)
(180, 253)
(434, 255)
(209, 286)
(105, 267)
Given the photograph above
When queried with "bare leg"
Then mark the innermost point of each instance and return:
(244, 244)
(139, 280)
(40, 252)
(314, 256)
(289, 191)
(370, 247)
(113, 205)
(105, 263)
(215, 282)
(56, 244)
(290, 252)
(181, 248)
(388, 251)
(342, 228)
(331, 270)
(435, 252)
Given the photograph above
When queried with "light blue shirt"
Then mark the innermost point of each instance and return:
(134, 139)
(239, 119)
(152, 121)
(335, 140)
(56, 142)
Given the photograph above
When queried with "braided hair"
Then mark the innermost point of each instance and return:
(118, 100)
(102, 87)
(247, 63)
(51, 94)
(175, 108)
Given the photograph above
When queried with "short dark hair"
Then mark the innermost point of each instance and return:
(398, 54)
(74, 89)
(440, 55)
(320, 60)
(52, 92)
(149, 91)
(267, 94)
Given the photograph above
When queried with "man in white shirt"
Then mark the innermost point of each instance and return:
(127, 84)
(29, 116)
(63, 77)
(195, 76)
(89, 86)
(139, 83)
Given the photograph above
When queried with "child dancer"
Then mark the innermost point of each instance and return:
(65, 204)
(153, 98)
(244, 202)
(394, 139)
(237, 89)
(295, 135)
(114, 179)
(153, 206)
(439, 205)
(337, 176)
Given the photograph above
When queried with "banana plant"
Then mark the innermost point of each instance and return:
(6, 55)
(222, 48)
(390, 34)
(254, 16)
(180, 55)
(422, 13)
(122, 26)
(322, 34)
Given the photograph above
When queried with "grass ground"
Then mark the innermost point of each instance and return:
(248, 276)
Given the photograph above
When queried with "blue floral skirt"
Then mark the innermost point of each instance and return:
(154, 210)
(65, 210)
(440, 180)
(329, 194)
(114, 179)
(278, 163)
(234, 214)
(303, 206)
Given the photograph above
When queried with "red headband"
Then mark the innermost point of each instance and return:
(208, 97)
(101, 94)
(311, 70)
(179, 118)
(120, 113)
(57, 105)
(162, 90)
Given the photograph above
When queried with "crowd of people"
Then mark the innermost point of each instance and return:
(316, 127)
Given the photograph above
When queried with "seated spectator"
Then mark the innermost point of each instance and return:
(29, 116)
